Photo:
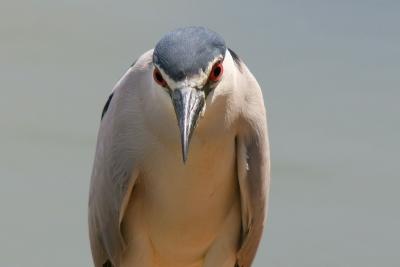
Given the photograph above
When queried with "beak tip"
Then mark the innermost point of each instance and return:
(184, 155)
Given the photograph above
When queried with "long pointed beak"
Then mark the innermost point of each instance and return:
(188, 103)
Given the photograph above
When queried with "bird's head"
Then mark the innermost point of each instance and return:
(188, 65)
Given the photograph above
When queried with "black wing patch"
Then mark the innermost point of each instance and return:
(236, 59)
(107, 264)
(106, 106)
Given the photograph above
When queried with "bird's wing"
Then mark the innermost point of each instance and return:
(253, 161)
(115, 168)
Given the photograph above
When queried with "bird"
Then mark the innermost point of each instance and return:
(181, 171)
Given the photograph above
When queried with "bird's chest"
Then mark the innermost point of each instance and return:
(184, 205)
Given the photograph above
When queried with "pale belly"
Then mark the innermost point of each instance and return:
(178, 211)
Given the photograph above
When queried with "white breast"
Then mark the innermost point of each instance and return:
(184, 206)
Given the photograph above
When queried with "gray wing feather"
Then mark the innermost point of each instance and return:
(115, 169)
(253, 170)
(112, 170)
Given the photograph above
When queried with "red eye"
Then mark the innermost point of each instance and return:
(216, 72)
(159, 78)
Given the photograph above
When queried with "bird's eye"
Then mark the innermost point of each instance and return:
(159, 78)
(216, 72)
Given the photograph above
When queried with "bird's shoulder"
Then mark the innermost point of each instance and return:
(248, 95)
(129, 82)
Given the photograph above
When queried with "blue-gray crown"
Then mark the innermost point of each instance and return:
(185, 51)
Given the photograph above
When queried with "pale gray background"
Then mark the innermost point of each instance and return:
(330, 73)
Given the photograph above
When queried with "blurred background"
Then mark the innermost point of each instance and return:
(330, 73)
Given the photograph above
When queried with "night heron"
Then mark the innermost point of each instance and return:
(155, 202)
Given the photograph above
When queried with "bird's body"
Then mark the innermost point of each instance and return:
(147, 208)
